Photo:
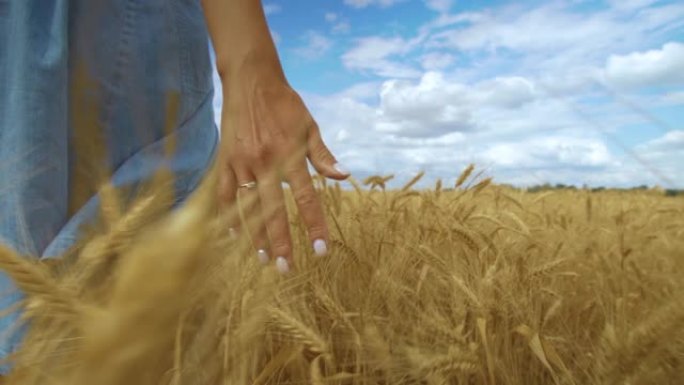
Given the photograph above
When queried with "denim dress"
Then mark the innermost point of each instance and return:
(87, 85)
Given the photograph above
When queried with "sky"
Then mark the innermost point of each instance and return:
(574, 92)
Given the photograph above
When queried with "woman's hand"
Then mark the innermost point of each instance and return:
(267, 136)
(267, 133)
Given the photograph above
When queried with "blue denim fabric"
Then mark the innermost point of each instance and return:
(110, 69)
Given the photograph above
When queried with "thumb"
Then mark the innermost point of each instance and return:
(321, 158)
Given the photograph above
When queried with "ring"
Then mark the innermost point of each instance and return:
(249, 185)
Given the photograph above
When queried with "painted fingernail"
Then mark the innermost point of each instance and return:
(340, 168)
(263, 256)
(282, 265)
(320, 247)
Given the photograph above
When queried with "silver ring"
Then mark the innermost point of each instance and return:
(249, 185)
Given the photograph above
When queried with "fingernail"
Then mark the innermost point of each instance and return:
(282, 265)
(233, 233)
(263, 256)
(320, 248)
(340, 168)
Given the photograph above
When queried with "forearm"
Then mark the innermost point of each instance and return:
(241, 37)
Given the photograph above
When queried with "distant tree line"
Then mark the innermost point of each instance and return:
(561, 186)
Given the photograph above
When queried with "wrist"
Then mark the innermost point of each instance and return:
(252, 63)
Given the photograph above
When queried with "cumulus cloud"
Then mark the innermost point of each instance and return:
(435, 95)
(432, 107)
(517, 89)
(522, 147)
(575, 156)
(546, 151)
(658, 67)
(436, 106)
(506, 92)
(438, 125)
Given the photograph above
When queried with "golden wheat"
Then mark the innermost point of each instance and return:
(477, 284)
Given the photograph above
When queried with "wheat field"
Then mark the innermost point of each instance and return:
(468, 282)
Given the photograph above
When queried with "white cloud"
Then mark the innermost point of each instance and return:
(443, 103)
(565, 48)
(559, 83)
(436, 106)
(439, 5)
(549, 151)
(373, 54)
(556, 39)
(316, 45)
(361, 91)
(665, 155)
(554, 35)
(540, 142)
(536, 29)
(514, 88)
(373, 48)
(271, 8)
(436, 60)
(672, 140)
(438, 124)
(366, 3)
(506, 92)
(658, 67)
(430, 108)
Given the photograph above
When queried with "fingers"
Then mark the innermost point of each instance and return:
(320, 156)
(263, 209)
(250, 205)
(309, 206)
(275, 217)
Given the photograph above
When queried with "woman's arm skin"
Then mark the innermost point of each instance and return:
(267, 133)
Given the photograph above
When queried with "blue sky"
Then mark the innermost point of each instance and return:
(575, 92)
